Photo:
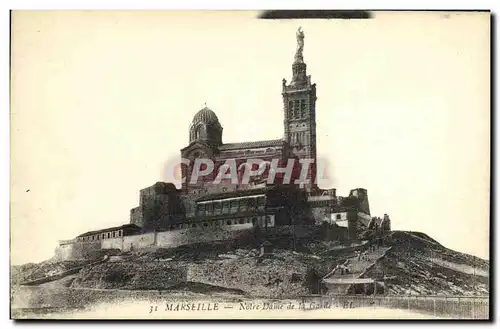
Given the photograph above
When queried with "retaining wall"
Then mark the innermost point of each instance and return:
(174, 238)
(138, 241)
(115, 243)
(76, 250)
(168, 239)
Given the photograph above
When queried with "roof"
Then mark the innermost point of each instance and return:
(132, 226)
(232, 194)
(246, 145)
(197, 141)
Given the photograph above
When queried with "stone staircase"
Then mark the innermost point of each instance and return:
(340, 283)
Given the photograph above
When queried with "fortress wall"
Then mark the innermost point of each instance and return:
(77, 250)
(168, 239)
(116, 243)
(63, 252)
(195, 235)
(362, 195)
(138, 241)
(362, 222)
(177, 238)
(85, 249)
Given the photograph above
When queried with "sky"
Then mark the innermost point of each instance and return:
(101, 102)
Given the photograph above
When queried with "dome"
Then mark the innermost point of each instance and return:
(205, 126)
(206, 116)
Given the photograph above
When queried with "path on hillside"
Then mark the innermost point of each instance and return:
(356, 267)
(62, 274)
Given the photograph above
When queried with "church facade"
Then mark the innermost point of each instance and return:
(267, 182)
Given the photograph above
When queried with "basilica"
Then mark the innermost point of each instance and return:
(259, 201)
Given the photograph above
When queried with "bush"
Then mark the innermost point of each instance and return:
(117, 276)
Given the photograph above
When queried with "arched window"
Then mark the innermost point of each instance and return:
(296, 108)
(242, 221)
(228, 222)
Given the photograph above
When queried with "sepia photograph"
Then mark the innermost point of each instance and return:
(252, 165)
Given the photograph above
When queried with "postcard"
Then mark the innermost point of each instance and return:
(250, 165)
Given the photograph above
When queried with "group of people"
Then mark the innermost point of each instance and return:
(363, 255)
(360, 255)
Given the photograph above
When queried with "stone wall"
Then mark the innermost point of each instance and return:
(116, 243)
(136, 217)
(362, 195)
(362, 222)
(139, 241)
(173, 238)
(76, 250)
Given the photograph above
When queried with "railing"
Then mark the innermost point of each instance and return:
(457, 307)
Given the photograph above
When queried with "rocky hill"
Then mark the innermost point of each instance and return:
(412, 263)
(419, 265)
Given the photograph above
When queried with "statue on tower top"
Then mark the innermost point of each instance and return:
(300, 46)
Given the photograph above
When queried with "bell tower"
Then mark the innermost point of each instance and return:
(299, 105)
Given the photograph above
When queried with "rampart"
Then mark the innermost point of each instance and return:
(166, 239)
